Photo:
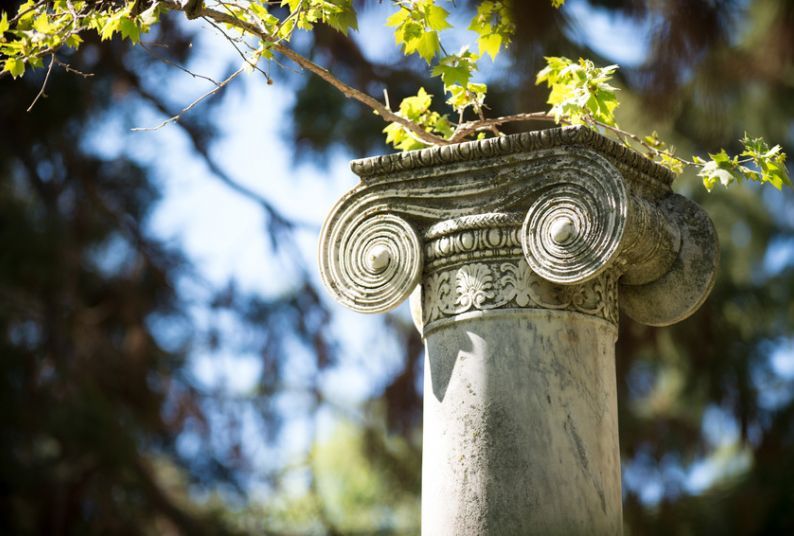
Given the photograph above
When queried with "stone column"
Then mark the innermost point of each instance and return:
(519, 251)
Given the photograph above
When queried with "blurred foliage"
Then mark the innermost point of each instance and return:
(357, 486)
(105, 431)
(86, 392)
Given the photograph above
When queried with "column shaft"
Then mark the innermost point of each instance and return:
(520, 426)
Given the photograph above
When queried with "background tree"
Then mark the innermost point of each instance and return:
(82, 346)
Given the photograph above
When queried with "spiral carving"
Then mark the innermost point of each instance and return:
(573, 229)
(371, 264)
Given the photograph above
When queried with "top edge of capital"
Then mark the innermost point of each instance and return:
(524, 142)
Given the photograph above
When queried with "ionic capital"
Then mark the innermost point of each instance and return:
(562, 219)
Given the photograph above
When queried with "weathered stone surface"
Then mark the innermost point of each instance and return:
(520, 426)
(517, 253)
(678, 292)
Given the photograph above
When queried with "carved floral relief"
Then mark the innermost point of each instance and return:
(485, 286)
(436, 285)
(474, 286)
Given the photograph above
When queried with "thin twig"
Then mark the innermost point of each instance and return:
(41, 93)
(190, 106)
(277, 220)
(622, 133)
(492, 128)
(245, 58)
(72, 11)
(178, 66)
(69, 69)
(386, 98)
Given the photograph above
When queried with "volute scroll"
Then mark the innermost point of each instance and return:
(574, 228)
(372, 264)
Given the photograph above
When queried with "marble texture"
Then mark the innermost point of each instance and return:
(520, 426)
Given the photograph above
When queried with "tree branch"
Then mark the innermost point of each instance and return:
(305, 63)
(43, 84)
(69, 69)
(470, 127)
(465, 129)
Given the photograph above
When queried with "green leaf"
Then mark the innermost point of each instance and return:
(713, 175)
(73, 41)
(493, 25)
(4, 23)
(42, 24)
(410, 33)
(400, 139)
(452, 74)
(428, 46)
(667, 159)
(151, 15)
(261, 13)
(398, 19)
(490, 44)
(754, 147)
(654, 141)
(344, 21)
(771, 163)
(417, 28)
(437, 18)
(463, 97)
(721, 169)
(110, 27)
(413, 107)
(442, 126)
(721, 158)
(14, 66)
(456, 68)
(129, 30)
(26, 14)
(417, 110)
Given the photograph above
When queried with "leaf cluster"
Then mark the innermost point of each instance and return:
(304, 14)
(494, 26)
(579, 91)
(417, 110)
(757, 163)
(417, 25)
